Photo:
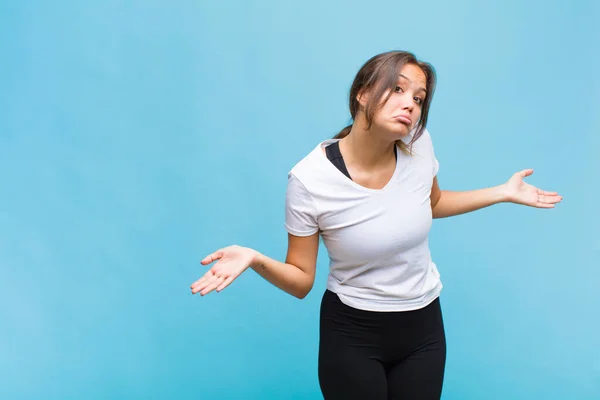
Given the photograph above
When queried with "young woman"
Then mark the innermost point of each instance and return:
(371, 193)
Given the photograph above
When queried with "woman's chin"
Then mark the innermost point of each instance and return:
(402, 132)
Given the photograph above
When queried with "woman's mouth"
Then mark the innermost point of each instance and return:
(403, 119)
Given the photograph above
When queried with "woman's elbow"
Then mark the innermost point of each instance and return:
(302, 291)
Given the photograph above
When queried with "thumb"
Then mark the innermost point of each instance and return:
(212, 257)
(526, 172)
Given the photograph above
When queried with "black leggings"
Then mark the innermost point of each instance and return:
(380, 355)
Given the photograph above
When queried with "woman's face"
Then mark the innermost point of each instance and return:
(402, 111)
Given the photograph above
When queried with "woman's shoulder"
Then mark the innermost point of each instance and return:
(312, 162)
(423, 144)
(315, 173)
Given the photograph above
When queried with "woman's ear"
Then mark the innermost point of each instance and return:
(363, 98)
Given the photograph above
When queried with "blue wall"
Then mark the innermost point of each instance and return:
(136, 137)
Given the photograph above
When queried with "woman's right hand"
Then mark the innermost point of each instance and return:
(231, 262)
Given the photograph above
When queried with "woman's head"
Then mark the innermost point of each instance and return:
(392, 92)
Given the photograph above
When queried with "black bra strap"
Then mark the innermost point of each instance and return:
(335, 156)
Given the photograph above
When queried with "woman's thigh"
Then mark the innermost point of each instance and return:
(350, 365)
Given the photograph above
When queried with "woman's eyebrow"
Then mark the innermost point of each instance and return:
(421, 89)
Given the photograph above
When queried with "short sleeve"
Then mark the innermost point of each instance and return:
(434, 160)
(300, 209)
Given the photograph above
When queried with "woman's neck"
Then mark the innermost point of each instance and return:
(367, 148)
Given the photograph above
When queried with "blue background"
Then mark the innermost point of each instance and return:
(136, 137)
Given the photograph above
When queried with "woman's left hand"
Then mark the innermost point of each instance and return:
(519, 192)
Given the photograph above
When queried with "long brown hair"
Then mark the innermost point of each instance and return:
(380, 74)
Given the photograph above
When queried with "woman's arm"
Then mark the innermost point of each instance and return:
(446, 203)
(295, 276)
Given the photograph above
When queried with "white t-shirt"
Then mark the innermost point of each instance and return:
(377, 240)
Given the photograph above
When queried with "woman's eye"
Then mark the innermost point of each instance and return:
(418, 100)
(398, 89)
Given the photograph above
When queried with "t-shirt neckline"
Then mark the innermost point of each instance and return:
(321, 149)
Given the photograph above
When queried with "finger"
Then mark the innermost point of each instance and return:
(225, 283)
(549, 199)
(525, 172)
(198, 288)
(203, 283)
(204, 278)
(212, 257)
(544, 205)
(546, 193)
(211, 286)
(199, 285)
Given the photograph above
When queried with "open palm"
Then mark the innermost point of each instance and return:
(231, 262)
(520, 192)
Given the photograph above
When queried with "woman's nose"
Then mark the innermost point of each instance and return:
(407, 103)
